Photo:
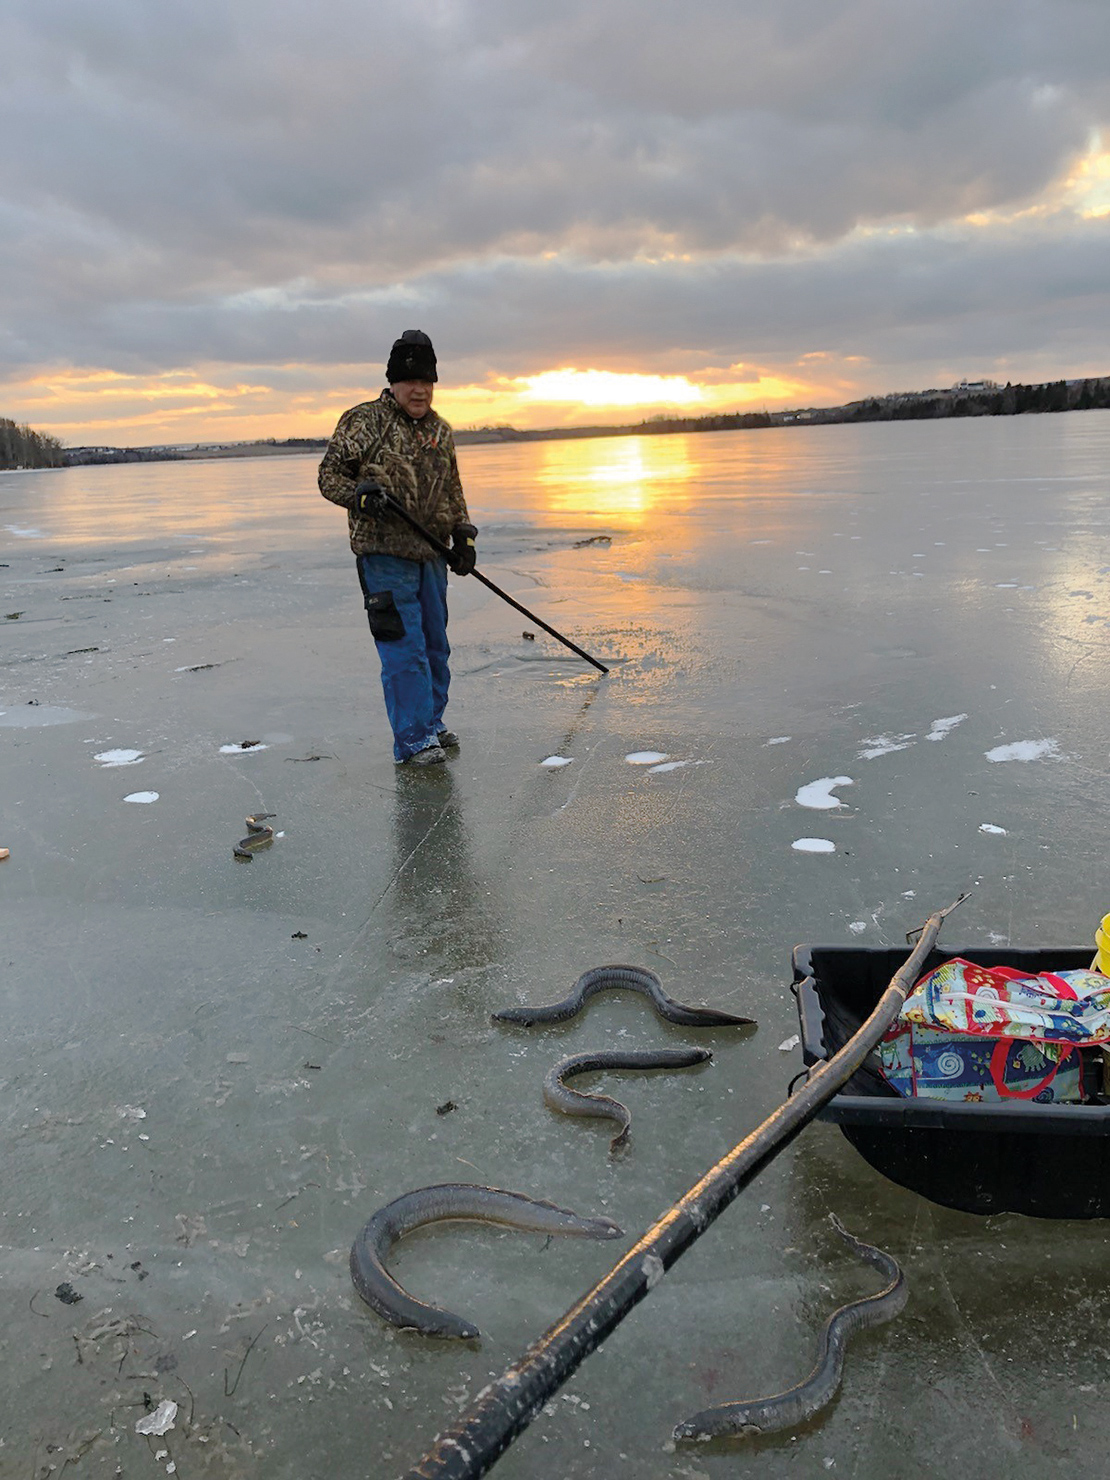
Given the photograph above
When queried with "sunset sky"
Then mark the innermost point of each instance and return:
(214, 219)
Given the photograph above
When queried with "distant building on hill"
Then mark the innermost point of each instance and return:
(974, 387)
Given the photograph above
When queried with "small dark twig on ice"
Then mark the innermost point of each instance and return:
(230, 1391)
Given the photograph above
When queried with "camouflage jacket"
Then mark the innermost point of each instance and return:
(412, 460)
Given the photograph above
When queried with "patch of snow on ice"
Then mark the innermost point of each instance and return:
(942, 727)
(1024, 750)
(34, 716)
(819, 794)
(813, 845)
(788, 1045)
(671, 766)
(142, 796)
(243, 749)
(24, 532)
(875, 745)
(119, 757)
(554, 761)
(779, 739)
(646, 757)
(989, 827)
(857, 927)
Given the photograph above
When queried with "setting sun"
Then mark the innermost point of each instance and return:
(609, 388)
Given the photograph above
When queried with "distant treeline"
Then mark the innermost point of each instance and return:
(20, 447)
(722, 422)
(1007, 400)
(83, 456)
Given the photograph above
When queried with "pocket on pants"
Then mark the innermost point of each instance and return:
(386, 622)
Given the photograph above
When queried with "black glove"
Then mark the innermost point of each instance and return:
(370, 498)
(463, 554)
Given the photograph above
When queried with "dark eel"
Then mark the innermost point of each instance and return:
(574, 1102)
(259, 835)
(628, 978)
(449, 1200)
(790, 1409)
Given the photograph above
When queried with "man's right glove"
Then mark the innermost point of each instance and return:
(463, 554)
(370, 498)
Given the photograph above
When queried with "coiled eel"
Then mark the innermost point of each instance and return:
(259, 835)
(449, 1200)
(576, 1102)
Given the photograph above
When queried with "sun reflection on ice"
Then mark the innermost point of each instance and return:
(614, 476)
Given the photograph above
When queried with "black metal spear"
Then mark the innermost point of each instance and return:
(438, 545)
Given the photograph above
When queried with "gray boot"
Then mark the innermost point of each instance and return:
(431, 755)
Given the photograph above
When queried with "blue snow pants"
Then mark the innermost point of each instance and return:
(406, 602)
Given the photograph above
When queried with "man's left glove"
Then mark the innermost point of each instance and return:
(463, 553)
(370, 500)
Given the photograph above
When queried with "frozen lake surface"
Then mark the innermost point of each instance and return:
(214, 1071)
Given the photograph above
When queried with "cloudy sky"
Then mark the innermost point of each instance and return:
(215, 218)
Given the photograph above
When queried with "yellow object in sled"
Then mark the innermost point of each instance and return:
(1102, 942)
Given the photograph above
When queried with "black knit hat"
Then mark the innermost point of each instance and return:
(411, 358)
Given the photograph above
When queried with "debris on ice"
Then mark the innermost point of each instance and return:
(160, 1421)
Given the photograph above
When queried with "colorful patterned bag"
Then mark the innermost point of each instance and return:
(971, 1032)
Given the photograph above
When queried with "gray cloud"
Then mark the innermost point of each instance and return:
(927, 298)
(345, 164)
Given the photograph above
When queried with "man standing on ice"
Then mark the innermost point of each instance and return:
(399, 445)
